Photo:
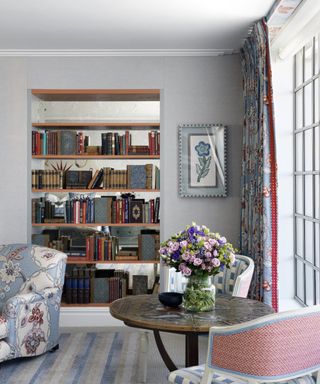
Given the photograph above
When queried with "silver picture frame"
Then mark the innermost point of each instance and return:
(202, 160)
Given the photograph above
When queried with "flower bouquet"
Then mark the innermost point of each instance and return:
(198, 254)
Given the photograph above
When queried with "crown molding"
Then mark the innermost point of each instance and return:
(116, 52)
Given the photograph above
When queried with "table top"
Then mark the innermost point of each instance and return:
(145, 311)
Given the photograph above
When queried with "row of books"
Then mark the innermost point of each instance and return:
(71, 142)
(112, 143)
(86, 285)
(146, 176)
(101, 247)
(105, 209)
(60, 142)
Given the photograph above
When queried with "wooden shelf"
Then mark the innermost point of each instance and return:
(93, 190)
(95, 225)
(110, 157)
(91, 124)
(114, 262)
(97, 94)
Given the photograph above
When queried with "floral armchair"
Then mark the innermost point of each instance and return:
(31, 281)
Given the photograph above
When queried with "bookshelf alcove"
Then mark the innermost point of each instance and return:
(115, 135)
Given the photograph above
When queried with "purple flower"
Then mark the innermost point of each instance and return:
(222, 240)
(208, 255)
(197, 261)
(176, 255)
(215, 253)
(183, 243)
(174, 246)
(215, 262)
(207, 245)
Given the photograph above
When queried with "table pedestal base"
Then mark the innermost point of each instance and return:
(192, 351)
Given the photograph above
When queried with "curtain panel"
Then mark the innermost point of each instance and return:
(258, 238)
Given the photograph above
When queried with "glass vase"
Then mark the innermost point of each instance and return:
(199, 295)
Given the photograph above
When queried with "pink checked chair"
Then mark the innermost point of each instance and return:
(279, 347)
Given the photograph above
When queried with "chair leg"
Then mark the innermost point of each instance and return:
(55, 348)
(143, 357)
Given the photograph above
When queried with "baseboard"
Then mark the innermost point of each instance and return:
(87, 317)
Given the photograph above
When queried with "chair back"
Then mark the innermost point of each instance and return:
(274, 347)
(29, 268)
(235, 280)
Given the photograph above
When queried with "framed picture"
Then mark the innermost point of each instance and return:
(202, 160)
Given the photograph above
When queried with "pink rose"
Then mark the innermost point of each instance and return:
(197, 261)
(215, 262)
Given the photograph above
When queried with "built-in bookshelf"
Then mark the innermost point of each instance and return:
(94, 175)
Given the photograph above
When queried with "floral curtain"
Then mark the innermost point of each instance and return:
(258, 237)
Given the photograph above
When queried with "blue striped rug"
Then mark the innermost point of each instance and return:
(109, 357)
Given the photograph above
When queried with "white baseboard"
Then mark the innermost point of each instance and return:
(87, 317)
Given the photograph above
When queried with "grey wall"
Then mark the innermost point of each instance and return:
(193, 90)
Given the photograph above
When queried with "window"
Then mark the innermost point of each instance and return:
(307, 174)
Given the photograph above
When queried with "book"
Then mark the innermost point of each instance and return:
(136, 210)
(78, 179)
(149, 245)
(139, 284)
(67, 142)
(101, 209)
(137, 176)
(99, 290)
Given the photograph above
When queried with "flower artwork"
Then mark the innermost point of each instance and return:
(202, 167)
(202, 160)
(197, 251)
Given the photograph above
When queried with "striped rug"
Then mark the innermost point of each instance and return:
(96, 357)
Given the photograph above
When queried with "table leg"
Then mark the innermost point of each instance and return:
(192, 349)
(164, 354)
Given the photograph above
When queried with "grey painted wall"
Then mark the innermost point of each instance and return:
(193, 90)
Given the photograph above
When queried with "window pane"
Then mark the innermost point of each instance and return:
(299, 195)
(300, 280)
(316, 148)
(308, 153)
(308, 108)
(317, 245)
(308, 197)
(310, 285)
(308, 50)
(316, 197)
(299, 151)
(317, 287)
(309, 240)
(299, 68)
(316, 55)
(316, 101)
(299, 106)
(299, 238)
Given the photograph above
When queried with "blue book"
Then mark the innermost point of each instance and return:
(137, 176)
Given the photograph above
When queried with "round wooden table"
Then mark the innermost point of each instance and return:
(145, 311)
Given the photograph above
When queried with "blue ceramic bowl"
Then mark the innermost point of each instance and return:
(170, 299)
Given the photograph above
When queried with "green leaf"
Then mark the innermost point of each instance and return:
(198, 169)
(202, 161)
(205, 172)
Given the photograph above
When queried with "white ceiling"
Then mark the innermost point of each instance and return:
(127, 24)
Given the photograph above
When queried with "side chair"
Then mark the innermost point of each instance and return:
(282, 347)
(234, 281)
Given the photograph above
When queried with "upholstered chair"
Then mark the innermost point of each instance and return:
(234, 281)
(279, 347)
(31, 281)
